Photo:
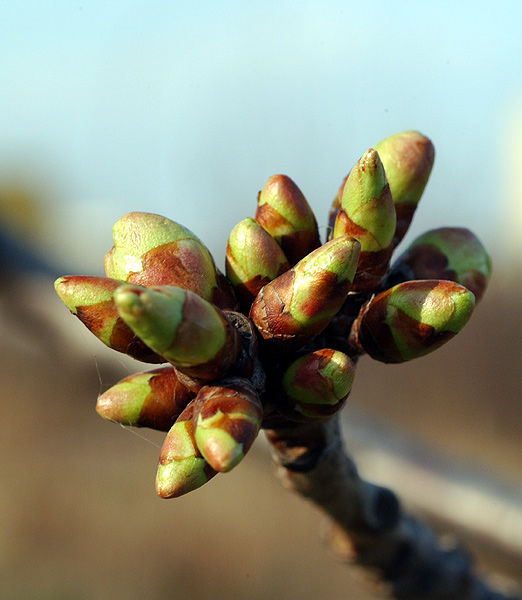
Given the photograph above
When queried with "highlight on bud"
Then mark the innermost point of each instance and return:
(316, 385)
(253, 259)
(181, 467)
(452, 253)
(300, 303)
(152, 250)
(180, 326)
(91, 300)
(227, 419)
(368, 214)
(284, 212)
(408, 159)
(153, 399)
(412, 319)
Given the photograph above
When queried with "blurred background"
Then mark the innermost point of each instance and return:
(185, 109)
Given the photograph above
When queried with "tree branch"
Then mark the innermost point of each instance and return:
(369, 527)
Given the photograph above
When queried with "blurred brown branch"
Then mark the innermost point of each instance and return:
(369, 527)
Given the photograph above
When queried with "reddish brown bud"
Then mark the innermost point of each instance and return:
(152, 250)
(284, 212)
(408, 159)
(181, 466)
(227, 419)
(452, 253)
(300, 303)
(153, 399)
(367, 213)
(91, 300)
(186, 330)
(316, 385)
(253, 259)
(412, 319)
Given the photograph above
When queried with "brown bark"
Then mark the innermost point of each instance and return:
(368, 525)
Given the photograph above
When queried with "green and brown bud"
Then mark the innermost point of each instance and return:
(253, 259)
(408, 159)
(368, 214)
(151, 250)
(300, 303)
(181, 467)
(91, 300)
(227, 419)
(316, 385)
(154, 399)
(452, 253)
(284, 212)
(183, 328)
(412, 319)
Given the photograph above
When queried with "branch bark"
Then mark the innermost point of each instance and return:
(368, 525)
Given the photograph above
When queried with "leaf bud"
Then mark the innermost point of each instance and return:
(408, 159)
(412, 319)
(91, 300)
(181, 467)
(300, 303)
(253, 259)
(152, 250)
(183, 328)
(227, 419)
(316, 385)
(452, 253)
(153, 399)
(284, 212)
(367, 213)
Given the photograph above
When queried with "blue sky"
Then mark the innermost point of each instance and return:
(186, 108)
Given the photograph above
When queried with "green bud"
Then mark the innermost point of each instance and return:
(367, 213)
(181, 466)
(91, 300)
(412, 319)
(253, 259)
(300, 303)
(408, 159)
(284, 212)
(152, 250)
(184, 329)
(316, 385)
(227, 418)
(153, 399)
(452, 253)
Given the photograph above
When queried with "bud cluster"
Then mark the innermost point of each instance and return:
(275, 340)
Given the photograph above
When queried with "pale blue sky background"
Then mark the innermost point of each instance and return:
(186, 107)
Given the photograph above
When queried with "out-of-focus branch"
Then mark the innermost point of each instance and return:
(369, 527)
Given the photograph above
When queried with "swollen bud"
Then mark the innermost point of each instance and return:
(91, 300)
(316, 385)
(227, 419)
(152, 250)
(452, 253)
(181, 467)
(300, 303)
(153, 399)
(368, 214)
(408, 159)
(187, 331)
(253, 259)
(412, 319)
(284, 212)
